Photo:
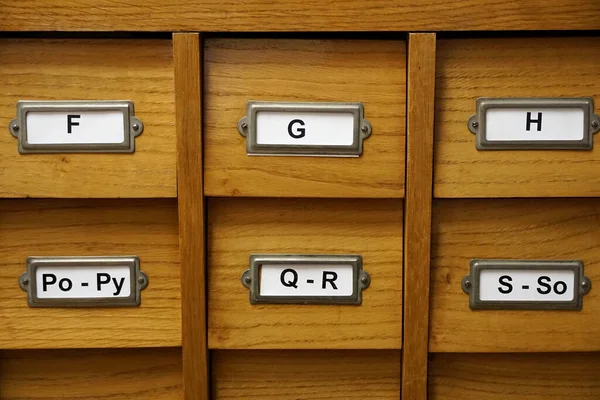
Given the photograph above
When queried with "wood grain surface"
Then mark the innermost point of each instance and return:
(240, 227)
(192, 227)
(371, 72)
(298, 15)
(533, 229)
(119, 69)
(514, 376)
(417, 223)
(545, 67)
(144, 228)
(124, 374)
(306, 375)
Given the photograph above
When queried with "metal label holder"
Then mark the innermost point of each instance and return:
(470, 284)
(248, 129)
(133, 127)
(477, 124)
(251, 278)
(138, 279)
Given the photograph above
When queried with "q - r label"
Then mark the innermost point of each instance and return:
(306, 280)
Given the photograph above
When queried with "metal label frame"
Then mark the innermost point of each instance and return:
(251, 278)
(477, 123)
(138, 279)
(470, 284)
(132, 126)
(247, 128)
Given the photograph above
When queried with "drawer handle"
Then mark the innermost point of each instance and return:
(305, 279)
(526, 285)
(83, 281)
(534, 123)
(304, 129)
(76, 127)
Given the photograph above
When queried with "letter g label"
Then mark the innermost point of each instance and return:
(300, 132)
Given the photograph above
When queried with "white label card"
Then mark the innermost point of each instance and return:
(305, 128)
(75, 127)
(535, 124)
(306, 280)
(526, 285)
(83, 282)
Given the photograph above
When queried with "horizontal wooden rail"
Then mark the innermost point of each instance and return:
(298, 15)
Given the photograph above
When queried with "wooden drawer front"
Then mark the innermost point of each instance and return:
(371, 72)
(124, 374)
(498, 68)
(514, 376)
(240, 227)
(306, 375)
(538, 229)
(144, 228)
(117, 69)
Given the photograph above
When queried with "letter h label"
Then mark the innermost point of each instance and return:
(537, 121)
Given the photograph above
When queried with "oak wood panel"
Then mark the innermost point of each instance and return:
(310, 375)
(514, 376)
(536, 229)
(240, 227)
(417, 224)
(187, 56)
(144, 228)
(119, 69)
(546, 67)
(124, 374)
(371, 72)
(298, 15)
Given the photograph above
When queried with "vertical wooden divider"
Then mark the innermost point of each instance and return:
(417, 215)
(188, 110)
